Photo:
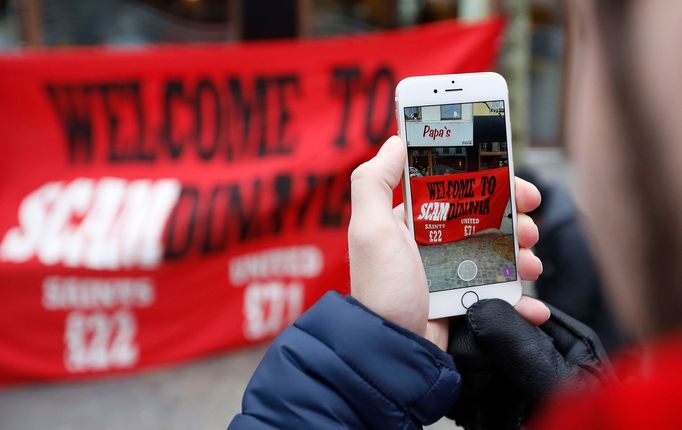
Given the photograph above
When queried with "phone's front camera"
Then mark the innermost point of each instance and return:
(435, 91)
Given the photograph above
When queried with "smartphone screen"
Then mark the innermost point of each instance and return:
(461, 193)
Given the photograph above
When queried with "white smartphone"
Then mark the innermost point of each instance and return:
(458, 187)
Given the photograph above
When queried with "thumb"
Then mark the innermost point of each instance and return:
(372, 182)
(516, 348)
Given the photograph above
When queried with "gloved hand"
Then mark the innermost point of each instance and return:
(509, 365)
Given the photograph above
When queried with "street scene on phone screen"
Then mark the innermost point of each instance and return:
(461, 199)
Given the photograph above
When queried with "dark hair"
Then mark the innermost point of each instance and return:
(662, 243)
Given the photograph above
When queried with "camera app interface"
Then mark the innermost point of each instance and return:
(461, 196)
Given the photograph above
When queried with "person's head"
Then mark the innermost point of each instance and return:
(624, 131)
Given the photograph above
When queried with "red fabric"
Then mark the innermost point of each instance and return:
(447, 208)
(648, 398)
(163, 203)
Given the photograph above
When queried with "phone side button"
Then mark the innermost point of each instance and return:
(468, 299)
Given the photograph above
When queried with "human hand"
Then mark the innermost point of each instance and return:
(386, 270)
(509, 365)
(529, 266)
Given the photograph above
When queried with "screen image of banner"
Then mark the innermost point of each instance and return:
(169, 202)
(460, 192)
(448, 208)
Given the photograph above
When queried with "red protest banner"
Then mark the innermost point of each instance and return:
(447, 208)
(164, 203)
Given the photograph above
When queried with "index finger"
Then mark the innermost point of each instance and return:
(532, 310)
(527, 196)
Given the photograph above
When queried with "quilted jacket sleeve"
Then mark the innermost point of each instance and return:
(342, 366)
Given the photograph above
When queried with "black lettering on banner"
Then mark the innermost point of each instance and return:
(247, 218)
(116, 152)
(336, 200)
(344, 81)
(469, 187)
(206, 97)
(216, 226)
(435, 189)
(228, 212)
(173, 95)
(183, 218)
(283, 199)
(385, 75)
(456, 189)
(308, 197)
(283, 146)
(249, 110)
(461, 188)
(330, 215)
(207, 117)
(141, 121)
(73, 108)
(477, 207)
(251, 114)
(123, 111)
(489, 185)
(210, 220)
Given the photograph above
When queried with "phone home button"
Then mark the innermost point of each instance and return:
(468, 299)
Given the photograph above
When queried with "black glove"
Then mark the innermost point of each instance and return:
(509, 366)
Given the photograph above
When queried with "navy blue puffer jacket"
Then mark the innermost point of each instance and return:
(342, 366)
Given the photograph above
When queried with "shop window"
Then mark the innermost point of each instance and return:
(451, 111)
(413, 114)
